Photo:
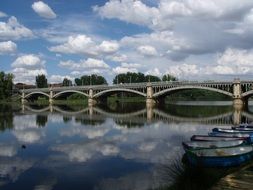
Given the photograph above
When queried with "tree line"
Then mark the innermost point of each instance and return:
(129, 77)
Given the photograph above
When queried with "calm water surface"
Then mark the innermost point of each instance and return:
(117, 146)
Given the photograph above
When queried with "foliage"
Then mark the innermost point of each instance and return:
(140, 77)
(6, 84)
(152, 78)
(129, 78)
(66, 82)
(41, 81)
(169, 77)
(90, 80)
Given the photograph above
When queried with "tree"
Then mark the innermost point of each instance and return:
(129, 77)
(66, 82)
(168, 77)
(41, 81)
(6, 85)
(152, 78)
(90, 80)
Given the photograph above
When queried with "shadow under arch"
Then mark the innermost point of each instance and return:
(108, 92)
(69, 92)
(166, 92)
(37, 93)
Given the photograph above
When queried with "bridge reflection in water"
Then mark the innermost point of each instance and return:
(143, 116)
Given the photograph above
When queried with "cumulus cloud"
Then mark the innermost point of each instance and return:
(2, 14)
(83, 64)
(108, 47)
(82, 44)
(7, 47)
(117, 57)
(43, 10)
(13, 30)
(126, 67)
(233, 61)
(27, 67)
(59, 78)
(147, 50)
(183, 70)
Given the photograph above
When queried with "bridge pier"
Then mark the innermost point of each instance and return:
(149, 99)
(51, 95)
(91, 100)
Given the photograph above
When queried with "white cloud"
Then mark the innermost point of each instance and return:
(233, 62)
(29, 61)
(90, 63)
(7, 47)
(59, 78)
(8, 150)
(147, 50)
(130, 11)
(117, 57)
(109, 47)
(27, 67)
(13, 30)
(155, 72)
(43, 10)
(119, 70)
(82, 44)
(183, 70)
(2, 14)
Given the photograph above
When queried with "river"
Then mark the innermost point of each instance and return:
(117, 146)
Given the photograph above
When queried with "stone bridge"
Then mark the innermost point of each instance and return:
(238, 90)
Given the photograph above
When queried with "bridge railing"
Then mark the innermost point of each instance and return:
(142, 84)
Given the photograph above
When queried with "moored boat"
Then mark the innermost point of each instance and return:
(224, 130)
(243, 129)
(215, 138)
(220, 157)
(242, 135)
(212, 144)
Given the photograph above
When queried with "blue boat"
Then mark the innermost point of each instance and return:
(220, 157)
(242, 129)
(225, 130)
(241, 135)
(215, 138)
(212, 144)
(245, 125)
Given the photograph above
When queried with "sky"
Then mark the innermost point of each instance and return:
(190, 39)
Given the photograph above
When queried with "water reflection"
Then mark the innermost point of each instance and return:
(107, 147)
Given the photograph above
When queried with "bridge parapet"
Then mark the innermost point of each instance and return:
(152, 90)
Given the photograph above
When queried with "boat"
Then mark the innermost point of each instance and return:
(215, 138)
(225, 130)
(212, 144)
(217, 134)
(220, 157)
(242, 129)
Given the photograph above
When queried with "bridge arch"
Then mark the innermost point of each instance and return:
(247, 94)
(119, 90)
(168, 91)
(69, 91)
(36, 92)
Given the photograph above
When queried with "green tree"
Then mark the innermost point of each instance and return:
(6, 85)
(129, 77)
(152, 78)
(90, 80)
(168, 77)
(41, 81)
(66, 82)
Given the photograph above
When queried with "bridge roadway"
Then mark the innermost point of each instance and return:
(147, 115)
(154, 92)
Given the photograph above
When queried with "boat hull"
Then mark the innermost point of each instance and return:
(220, 157)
